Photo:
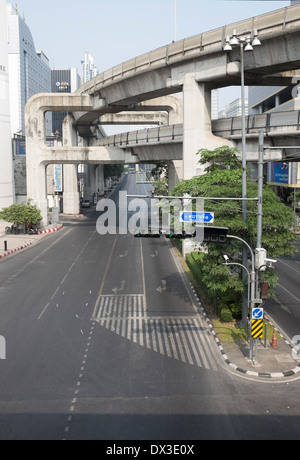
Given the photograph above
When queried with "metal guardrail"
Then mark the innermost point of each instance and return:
(277, 123)
(270, 123)
(163, 134)
(276, 22)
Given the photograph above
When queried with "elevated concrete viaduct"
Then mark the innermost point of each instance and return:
(193, 67)
(281, 134)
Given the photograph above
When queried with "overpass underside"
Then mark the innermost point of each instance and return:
(145, 90)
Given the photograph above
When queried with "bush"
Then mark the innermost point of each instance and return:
(194, 266)
(21, 214)
(236, 311)
(226, 315)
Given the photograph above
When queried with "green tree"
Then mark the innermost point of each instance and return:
(223, 178)
(21, 214)
(113, 170)
(160, 168)
(160, 187)
(295, 203)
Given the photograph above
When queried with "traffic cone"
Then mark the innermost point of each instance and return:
(274, 340)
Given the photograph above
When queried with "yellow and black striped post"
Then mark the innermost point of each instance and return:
(257, 329)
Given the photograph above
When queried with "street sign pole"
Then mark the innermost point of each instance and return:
(257, 329)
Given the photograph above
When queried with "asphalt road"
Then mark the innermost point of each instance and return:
(104, 341)
(284, 308)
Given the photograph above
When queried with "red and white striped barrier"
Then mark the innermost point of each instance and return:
(25, 245)
(8, 253)
(51, 230)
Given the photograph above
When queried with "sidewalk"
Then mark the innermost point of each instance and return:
(273, 363)
(16, 243)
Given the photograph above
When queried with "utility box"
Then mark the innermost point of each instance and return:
(265, 290)
(55, 215)
(260, 259)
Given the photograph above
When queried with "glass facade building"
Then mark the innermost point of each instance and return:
(29, 71)
(63, 81)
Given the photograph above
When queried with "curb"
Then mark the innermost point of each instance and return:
(273, 375)
(51, 230)
(26, 245)
(8, 253)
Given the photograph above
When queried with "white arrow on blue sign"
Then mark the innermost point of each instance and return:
(257, 313)
(199, 217)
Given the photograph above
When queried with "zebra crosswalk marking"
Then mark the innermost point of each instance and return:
(184, 338)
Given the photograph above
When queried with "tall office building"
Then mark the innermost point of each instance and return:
(6, 160)
(234, 109)
(89, 70)
(29, 71)
(29, 74)
(214, 104)
(63, 81)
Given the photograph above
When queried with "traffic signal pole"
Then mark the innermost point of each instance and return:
(260, 197)
(253, 300)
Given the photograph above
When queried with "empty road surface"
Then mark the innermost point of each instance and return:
(105, 341)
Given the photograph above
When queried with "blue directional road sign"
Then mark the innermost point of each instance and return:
(198, 217)
(257, 313)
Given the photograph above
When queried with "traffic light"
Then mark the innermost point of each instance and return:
(215, 234)
(181, 236)
(171, 235)
(147, 235)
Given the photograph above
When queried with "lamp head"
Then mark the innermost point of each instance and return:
(255, 41)
(227, 47)
(234, 40)
(248, 46)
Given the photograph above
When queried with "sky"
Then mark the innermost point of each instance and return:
(115, 31)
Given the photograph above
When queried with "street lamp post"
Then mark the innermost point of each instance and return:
(253, 300)
(247, 271)
(251, 283)
(175, 19)
(246, 44)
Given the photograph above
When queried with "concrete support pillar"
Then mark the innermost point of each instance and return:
(92, 180)
(197, 125)
(90, 187)
(175, 168)
(174, 173)
(197, 130)
(70, 137)
(71, 194)
(100, 179)
(37, 188)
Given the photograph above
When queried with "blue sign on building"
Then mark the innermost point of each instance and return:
(280, 173)
(58, 178)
